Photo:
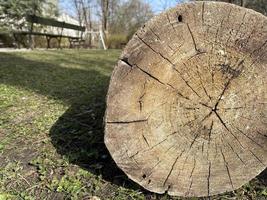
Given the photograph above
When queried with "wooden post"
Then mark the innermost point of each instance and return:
(70, 43)
(48, 41)
(60, 37)
(186, 105)
(15, 36)
(31, 42)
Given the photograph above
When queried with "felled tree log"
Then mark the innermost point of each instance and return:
(186, 106)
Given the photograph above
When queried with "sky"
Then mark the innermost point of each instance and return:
(160, 5)
(156, 5)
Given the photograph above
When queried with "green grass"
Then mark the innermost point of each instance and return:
(51, 132)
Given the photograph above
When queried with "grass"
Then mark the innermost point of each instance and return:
(51, 132)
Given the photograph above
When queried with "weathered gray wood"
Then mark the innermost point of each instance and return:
(186, 106)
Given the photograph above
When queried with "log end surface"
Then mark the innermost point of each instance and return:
(186, 106)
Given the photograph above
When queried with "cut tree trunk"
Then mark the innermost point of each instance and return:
(186, 106)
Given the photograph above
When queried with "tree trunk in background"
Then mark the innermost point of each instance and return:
(186, 104)
(105, 15)
(86, 9)
(89, 25)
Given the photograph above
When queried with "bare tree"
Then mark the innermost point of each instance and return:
(87, 16)
(83, 12)
(104, 5)
(78, 10)
(129, 16)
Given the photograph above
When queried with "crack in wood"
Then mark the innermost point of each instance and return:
(125, 60)
(189, 122)
(126, 122)
(158, 37)
(192, 143)
(236, 153)
(193, 38)
(145, 139)
(233, 108)
(218, 29)
(168, 18)
(208, 179)
(156, 52)
(206, 117)
(256, 157)
(192, 171)
(165, 58)
(190, 186)
(152, 31)
(222, 140)
(179, 93)
(150, 75)
(241, 24)
(229, 130)
(222, 122)
(140, 101)
(205, 105)
(222, 93)
(240, 131)
(155, 145)
(202, 84)
(230, 34)
(191, 108)
(249, 36)
(261, 46)
(210, 129)
(197, 54)
(259, 57)
(152, 169)
(172, 167)
(227, 169)
(133, 154)
(186, 82)
(264, 135)
(135, 161)
(202, 13)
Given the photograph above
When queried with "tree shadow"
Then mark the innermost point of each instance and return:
(78, 134)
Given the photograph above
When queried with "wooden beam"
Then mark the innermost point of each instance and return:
(53, 22)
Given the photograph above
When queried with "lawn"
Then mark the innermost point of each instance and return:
(51, 132)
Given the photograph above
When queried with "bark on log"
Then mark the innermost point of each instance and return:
(186, 106)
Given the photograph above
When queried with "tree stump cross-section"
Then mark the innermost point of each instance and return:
(186, 106)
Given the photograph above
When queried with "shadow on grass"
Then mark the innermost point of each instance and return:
(78, 134)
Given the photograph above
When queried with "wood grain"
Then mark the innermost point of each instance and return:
(186, 106)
